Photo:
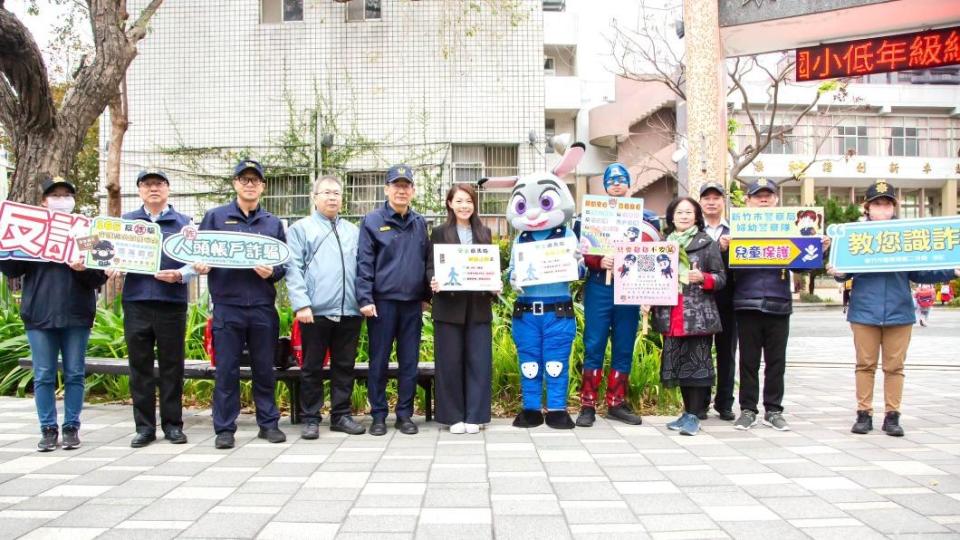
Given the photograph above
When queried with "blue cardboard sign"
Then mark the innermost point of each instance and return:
(896, 245)
(225, 249)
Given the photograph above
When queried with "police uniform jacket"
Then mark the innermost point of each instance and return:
(145, 287)
(392, 257)
(243, 287)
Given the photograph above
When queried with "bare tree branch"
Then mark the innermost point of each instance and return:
(139, 28)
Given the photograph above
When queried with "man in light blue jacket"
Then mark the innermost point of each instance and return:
(321, 275)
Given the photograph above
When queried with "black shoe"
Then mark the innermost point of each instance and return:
(406, 426)
(559, 420)
(142, 439)
(726, 414)
(625, 414)
(378, 427)
(175, 435)
(864, 423)
(346, 424)
(310, 430)
(224, 440)
(48, 439)
(528, 419)
(587, 416)
(273, 435)
(702, 415)
(71, 437)
(891, 425)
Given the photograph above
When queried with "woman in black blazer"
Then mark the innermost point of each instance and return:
(461, 325)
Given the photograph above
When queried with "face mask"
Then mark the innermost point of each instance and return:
(61, 204)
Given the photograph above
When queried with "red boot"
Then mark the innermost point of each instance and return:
(617, 407)
(588, 397)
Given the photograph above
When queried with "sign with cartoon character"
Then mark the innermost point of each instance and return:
(895, 245)
(35, 233)
(225, 249)
(467, 267)
(778, 237)
(776, 222)
(606, 220)
(123, 244)
(540, 207)
(645, 273)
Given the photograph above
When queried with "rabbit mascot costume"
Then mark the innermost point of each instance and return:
(544, 327)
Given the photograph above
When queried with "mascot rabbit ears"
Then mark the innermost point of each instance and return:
(571, 158)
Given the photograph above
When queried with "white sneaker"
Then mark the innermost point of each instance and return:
(458, 429)
(472, 428)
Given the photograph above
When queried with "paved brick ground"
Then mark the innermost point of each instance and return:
(610, 481)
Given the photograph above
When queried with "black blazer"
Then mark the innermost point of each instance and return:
(452, 307)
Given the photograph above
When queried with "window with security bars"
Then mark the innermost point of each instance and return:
(903, 141)
(287, 195)
(363, 10)
(276, 11)
(473, 162)
(363, 192)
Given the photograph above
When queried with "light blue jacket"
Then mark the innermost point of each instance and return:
(322, 270)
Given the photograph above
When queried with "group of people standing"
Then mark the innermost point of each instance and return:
(341, 274)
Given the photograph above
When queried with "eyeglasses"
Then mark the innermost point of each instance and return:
(328, 194)
(249, 180)
(153, 184)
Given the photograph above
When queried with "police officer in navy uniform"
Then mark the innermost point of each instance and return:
(244, 312)
(391, 284)
(155, 315)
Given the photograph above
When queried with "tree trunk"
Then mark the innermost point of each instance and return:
(41, 152)
(46, 141)
(118, 128)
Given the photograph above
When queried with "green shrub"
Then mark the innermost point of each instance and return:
(107, 340)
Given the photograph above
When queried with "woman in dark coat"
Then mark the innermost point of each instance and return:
(689, 326)
(58, 307)
(461, 325)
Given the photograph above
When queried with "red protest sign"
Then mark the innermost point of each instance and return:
(36, 233)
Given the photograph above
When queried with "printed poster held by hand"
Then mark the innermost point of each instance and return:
(896, 245)
(646, 273)
(35, 233)
(473, 267)
(225, 249)
(546, 261)
(606, 220)
(778, 237)
(123, 244)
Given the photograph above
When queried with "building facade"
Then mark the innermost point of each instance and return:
(344, 87)
(906, 131)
